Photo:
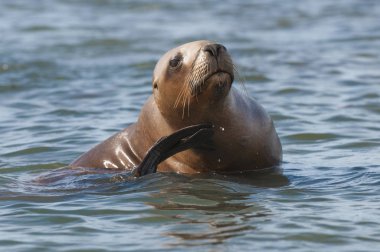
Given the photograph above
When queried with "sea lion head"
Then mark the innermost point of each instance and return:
(192, 78)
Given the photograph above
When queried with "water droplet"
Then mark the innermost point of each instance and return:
(221, 128)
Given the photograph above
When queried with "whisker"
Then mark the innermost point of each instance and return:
(241, 79)
(188, 106)
(179, 97)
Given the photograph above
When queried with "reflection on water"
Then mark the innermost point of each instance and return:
(73, 73)
(208, 211)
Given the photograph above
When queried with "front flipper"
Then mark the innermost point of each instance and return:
(190, 137)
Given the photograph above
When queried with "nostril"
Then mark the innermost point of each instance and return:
(210, 49)
(222, 48)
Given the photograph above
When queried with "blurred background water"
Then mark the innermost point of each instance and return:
(73, 72)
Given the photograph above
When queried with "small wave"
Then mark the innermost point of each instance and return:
(313, 137)
(32, 150)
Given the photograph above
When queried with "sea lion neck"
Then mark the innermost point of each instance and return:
(200, 111)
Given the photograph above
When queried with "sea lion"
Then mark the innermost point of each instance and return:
(192, 84)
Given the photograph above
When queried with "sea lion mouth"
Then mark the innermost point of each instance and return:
(220, 78)
(219, 72)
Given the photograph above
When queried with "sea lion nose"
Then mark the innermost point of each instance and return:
(213, 49)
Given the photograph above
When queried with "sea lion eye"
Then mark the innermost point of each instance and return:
(174, 62)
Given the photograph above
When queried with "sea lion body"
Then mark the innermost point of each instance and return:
(192, 85)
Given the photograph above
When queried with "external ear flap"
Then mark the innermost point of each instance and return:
(155, 81)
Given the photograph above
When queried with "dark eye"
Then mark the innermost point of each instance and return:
(174, 62)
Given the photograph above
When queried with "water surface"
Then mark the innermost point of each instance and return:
(74, 72)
